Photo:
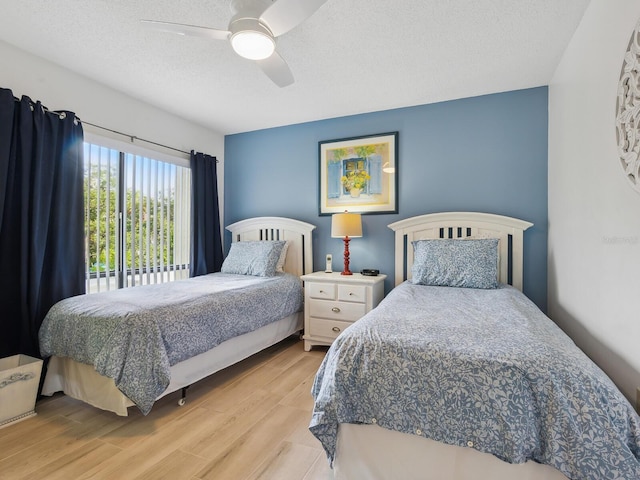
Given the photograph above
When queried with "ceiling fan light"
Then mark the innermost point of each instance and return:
(253, 45)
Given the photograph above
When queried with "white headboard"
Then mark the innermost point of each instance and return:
(298, 234)
(459, 225)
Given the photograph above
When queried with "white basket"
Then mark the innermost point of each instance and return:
(19, 381)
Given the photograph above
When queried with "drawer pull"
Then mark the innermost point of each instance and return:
(336, 329)
(335, 310)
(321, 291)
(351, 294)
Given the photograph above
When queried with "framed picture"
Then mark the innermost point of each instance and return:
(359, 174)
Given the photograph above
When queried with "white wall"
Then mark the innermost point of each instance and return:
(594, 215)
(60, 89)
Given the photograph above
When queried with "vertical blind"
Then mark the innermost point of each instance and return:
(137, 219)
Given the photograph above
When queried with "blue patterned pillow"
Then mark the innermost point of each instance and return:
(258, 258)
(456, 262)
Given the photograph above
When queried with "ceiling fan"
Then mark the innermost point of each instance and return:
(252, 31)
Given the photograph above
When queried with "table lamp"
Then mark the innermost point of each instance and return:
(347, 226)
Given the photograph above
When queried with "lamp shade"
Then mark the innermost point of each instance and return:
(346, 225)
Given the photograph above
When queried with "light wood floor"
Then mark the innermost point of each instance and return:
(247, 422)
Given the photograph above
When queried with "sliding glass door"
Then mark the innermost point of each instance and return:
(137, 219)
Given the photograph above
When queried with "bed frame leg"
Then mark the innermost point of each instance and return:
(183, 398)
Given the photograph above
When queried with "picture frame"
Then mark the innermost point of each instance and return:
(359, 174)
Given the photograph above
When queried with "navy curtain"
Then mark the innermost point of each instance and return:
(41, 217)
(206, 242)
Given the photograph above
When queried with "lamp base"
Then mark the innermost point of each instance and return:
(346, 270)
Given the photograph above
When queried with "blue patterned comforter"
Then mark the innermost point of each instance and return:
(477, 368)
(135, 335)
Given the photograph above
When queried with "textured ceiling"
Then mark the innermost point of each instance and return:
(351, 56)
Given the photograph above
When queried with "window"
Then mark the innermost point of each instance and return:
(137, 219)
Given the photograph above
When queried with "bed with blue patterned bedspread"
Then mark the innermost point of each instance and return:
(134, 335)
(480, 368)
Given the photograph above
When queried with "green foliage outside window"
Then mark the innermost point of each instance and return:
(148, 221)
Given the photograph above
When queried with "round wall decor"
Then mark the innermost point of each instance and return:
(628, 111)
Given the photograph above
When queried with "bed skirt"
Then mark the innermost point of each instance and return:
(372, 452)
(82, 382)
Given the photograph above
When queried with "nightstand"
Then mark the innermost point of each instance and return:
(333, 301)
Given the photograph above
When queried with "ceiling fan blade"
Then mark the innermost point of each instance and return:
(276, 69)
(284, 15)
(190, 30)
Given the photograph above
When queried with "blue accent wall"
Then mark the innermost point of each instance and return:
(482, 154)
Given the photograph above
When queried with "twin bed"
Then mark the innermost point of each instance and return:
(457, 375)
(132, 346)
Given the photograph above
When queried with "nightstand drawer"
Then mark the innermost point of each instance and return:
(352, 293)
(327, 328)
(325, 291)
(337, 310)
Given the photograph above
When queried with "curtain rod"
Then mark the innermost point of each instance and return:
(133, 137)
